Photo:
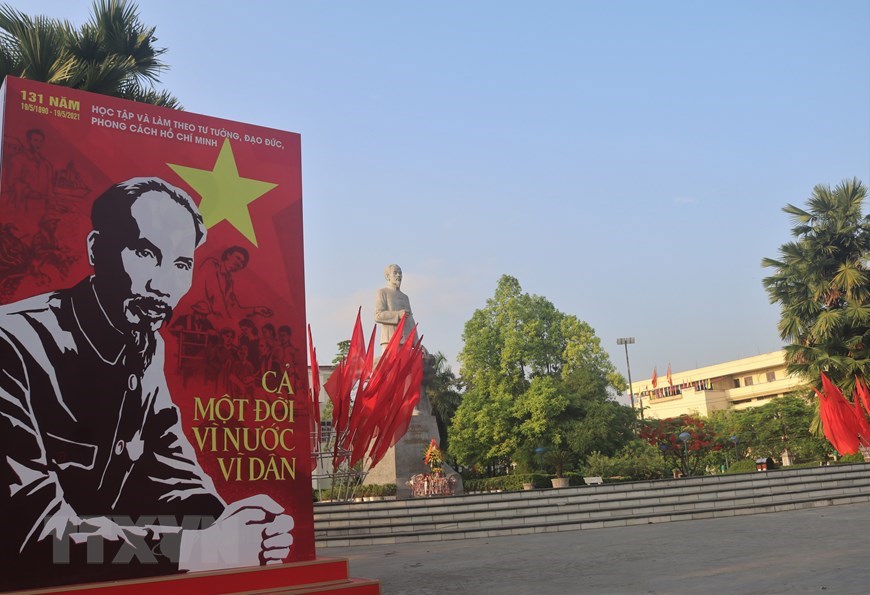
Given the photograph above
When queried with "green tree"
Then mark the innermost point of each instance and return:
(821, 283)
(535, 378)
(445, 393)
(114, 53)
(343, 347)
(725, 424)
(781, 424)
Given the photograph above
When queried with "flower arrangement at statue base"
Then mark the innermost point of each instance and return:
(433, 483)
(433, 457)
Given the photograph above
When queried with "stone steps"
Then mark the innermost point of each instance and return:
(620, 504)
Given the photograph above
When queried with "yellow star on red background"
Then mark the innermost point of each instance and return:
(225, 194)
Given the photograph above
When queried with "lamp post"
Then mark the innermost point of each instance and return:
(684, 438)
(540, 452)
(734, 439)
(629, 341)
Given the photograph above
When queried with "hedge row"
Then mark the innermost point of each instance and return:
(512, 483)
(362, 491)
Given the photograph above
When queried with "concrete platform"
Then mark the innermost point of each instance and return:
(823, 549)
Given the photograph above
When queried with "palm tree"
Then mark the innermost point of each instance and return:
(443, 390)
(822, 284)
(112, 54)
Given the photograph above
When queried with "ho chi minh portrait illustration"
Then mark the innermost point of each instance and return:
(96, 473)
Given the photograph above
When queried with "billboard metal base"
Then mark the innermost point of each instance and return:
(323, 575)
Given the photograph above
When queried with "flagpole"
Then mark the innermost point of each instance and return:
(626, 341)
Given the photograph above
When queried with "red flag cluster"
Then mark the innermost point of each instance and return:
(314, 396)
(845, 424)
(385, 397)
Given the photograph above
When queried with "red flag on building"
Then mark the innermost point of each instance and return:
(655, 377)
(670, 380)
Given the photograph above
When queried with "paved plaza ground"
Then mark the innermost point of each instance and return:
(818, 550)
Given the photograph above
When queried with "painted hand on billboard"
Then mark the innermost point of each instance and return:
(250, 532)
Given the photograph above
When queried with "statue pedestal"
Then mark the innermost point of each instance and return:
(405, 459)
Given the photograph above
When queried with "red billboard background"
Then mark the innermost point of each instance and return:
(235, 361)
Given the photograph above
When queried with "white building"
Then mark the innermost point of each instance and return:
(738, 384)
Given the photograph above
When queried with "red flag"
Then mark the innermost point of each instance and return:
(356, 355)
(383, 385)
(862, 423)
(368, 362)
(863, 393)
(357, 443)
(314, 400)
(860, 418)
(670, 380)
(838, 418)
(351, 371)
(411, 400)
(334, 389)
(363, 403)
(407, 391)
(380, 397)
(655, 377)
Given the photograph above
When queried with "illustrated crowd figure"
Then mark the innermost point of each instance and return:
(233, 360)
(35, 187)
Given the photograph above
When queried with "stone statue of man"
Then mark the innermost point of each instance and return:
(391, 304)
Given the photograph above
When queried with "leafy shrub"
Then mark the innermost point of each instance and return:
(636, 461)
(375, 490)
(340, 493)
(574, 479)
(507, 483)
(600, 465)
(474, 485)
(741, 466)
(804, 465)
(855, 458)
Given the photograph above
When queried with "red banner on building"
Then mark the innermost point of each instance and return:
(152, 341)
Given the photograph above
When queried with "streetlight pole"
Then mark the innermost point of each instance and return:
(626, 341)
(684, 438)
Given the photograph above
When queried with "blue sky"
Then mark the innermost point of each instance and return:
(627, 160)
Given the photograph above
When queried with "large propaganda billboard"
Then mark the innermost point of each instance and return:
(152, 343)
